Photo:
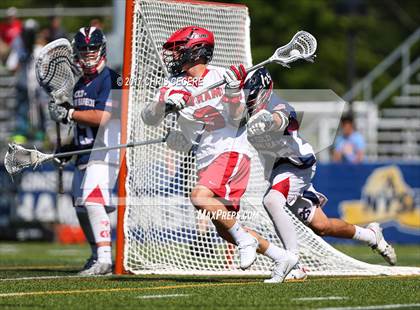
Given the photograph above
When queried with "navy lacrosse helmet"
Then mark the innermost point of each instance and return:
(89, 46)
(258, 89)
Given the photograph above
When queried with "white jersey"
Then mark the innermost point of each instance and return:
(205, 121)
(275, 147)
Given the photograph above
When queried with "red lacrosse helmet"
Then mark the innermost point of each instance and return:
(187, 45)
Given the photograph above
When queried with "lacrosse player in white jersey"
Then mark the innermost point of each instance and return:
(289, 162)
(210, 126)
(96, 122)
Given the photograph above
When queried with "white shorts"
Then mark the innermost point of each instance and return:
(94, 184)
(296, 186)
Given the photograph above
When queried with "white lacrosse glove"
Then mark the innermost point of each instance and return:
(178, 142)
(61, 113)
(175, 99)
(235, 79)
(260, 123)
(60, 96)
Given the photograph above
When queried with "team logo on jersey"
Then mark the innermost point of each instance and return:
(385, 197)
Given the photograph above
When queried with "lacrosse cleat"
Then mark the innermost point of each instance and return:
(248, 253)
(297, 273)
(381, 246)
(89, 263)
(97, 269)
(282, 268)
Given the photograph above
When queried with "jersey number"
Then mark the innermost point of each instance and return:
(210, 117)
(84, 135)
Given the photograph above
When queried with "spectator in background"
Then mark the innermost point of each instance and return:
(11, 27)
(55, 29)
(350, 145)
(20, 61)
(97, 22)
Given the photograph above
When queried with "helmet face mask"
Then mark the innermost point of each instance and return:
(187, 46)
(89, 56)
(175, 58)
(89, 46)
(259, 89)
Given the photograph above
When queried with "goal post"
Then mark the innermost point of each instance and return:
(158, 230)
(128, 39)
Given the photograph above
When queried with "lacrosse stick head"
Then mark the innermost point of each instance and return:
(56, 71)
(18, 158)
(302, 46)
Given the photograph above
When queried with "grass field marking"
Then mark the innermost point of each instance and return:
(5, 268)
(162, 296)
(123, 289)
(66, 252)
(377, 307)
(54, 277)
(323, 278)
(9, 249)
(320, 298)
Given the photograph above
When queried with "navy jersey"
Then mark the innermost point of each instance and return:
(277, 147)
(96, 94)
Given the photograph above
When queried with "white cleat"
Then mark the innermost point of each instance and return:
(282, 268)
(89, 263)
(381, 246)
(97, 269)
(248, 253)
(297, 273)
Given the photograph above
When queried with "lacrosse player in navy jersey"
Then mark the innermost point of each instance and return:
(95, 115)
(290, 164)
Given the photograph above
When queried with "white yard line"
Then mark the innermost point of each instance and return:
(319, 298)
(69, 252)
(162, 296)
(49, 278)
(377, 307)
(9, 249)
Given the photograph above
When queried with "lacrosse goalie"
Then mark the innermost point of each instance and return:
(209, 125)
(289, 163)
(96, 122)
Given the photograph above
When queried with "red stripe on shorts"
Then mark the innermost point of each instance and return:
(283, 187)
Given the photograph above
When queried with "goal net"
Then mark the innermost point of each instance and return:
(163, 234)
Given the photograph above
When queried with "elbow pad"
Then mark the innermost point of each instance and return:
(284, 120)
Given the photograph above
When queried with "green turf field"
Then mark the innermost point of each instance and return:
(22, 263)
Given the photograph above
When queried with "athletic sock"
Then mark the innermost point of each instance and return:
(274, 252)
(84, 222)
(274, 203)
(104, 254)
(239, 234)
(365, 235)
(101, 228)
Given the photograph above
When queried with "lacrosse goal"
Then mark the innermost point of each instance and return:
(159, 231)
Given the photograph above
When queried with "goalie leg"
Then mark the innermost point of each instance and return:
(92, 193)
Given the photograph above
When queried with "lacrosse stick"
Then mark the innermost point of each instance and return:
(57, 74)
(18, 158)
(302, 46)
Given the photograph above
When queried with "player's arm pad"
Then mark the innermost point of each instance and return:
(178, 142)
(284, 121)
